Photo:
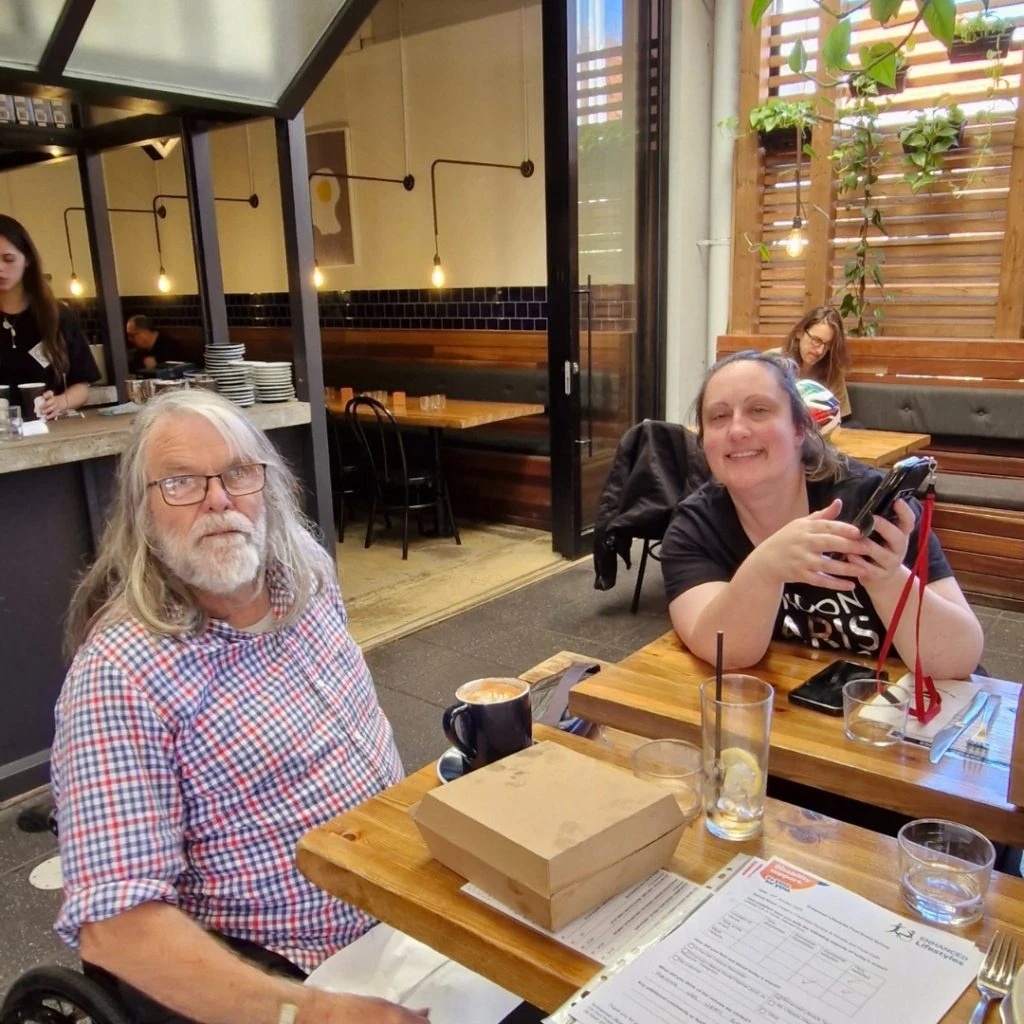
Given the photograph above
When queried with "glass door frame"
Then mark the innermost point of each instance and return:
(571, 525)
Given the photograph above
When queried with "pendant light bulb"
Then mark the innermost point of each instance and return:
(163, 282)
(437, 274)
(76, 286)
(796, 240)
(318, 275)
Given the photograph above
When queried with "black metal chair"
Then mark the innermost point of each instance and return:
(392, 485)
(348, 477)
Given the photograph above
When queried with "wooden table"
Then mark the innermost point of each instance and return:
(876, 447)
(654, 692)
(457, 414)
(373, 857)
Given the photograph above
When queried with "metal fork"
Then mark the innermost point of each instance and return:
(996, 974)
(978, 743)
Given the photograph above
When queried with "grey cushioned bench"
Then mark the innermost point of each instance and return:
(952, 414)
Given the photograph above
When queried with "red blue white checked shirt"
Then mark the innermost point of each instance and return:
(185, 771)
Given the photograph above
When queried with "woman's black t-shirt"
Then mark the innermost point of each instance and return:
(21, 355)
(705, 543)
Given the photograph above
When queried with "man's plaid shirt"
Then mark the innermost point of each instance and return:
(186, 769)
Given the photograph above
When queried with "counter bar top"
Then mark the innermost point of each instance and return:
(75, 440)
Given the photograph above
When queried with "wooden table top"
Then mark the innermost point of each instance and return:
(655, 692)
(373, 856)
(457, 414)
(876, 447)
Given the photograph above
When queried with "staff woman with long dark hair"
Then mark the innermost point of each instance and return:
(41, 339)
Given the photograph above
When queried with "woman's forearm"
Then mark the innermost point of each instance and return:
(745, 611)
(76, 395)
(951, 638)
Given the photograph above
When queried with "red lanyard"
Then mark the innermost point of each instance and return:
(927, 699)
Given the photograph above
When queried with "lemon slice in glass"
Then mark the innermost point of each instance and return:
(742, 779)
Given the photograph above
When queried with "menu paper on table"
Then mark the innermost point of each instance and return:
(782, 946)
(643, 912)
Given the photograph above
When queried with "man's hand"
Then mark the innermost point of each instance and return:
(333, 1008)
(801, 551)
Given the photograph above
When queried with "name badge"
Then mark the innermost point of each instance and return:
(37, 353)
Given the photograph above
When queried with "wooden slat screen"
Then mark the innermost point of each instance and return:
(942, 255)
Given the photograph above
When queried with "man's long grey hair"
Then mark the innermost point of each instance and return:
(128, 579)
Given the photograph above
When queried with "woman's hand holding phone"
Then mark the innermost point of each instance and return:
(803, 551)
(881, 565)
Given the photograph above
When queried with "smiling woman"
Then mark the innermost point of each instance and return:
(762, 551)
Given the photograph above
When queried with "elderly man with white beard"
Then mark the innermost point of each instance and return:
(215, 710)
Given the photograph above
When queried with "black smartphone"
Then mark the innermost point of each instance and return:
(824, 690)
(907, 477)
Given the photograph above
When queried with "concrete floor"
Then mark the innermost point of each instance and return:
(416, 678)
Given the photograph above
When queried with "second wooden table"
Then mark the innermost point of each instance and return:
(655, 692)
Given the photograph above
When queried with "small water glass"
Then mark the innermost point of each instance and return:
(945, 869)
(14, 418)
(676, 766)
(875, 713)
(424, 403)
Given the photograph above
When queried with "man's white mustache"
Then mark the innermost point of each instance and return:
(219, 522)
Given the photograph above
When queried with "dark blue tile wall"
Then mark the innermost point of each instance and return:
(513, 308)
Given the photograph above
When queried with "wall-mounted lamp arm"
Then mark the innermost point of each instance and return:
(408, 182)
(110, 209)
(161, 210)
(525, 168)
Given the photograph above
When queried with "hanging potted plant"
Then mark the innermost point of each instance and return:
(927, 140)
(864, 85)
(980, 38)
(781, 123)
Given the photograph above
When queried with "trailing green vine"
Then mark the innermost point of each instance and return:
(857, 155)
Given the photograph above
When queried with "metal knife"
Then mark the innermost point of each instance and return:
(946, 737)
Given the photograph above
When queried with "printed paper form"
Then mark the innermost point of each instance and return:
(779, 945)
(643, 912)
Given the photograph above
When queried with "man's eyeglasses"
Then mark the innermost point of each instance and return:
(190, 490)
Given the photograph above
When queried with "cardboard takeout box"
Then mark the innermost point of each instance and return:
(550, 832)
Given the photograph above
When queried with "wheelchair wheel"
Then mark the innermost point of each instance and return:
(59, 995)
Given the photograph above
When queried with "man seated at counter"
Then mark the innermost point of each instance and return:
(41, 340)
(217, 708)
(150, 345)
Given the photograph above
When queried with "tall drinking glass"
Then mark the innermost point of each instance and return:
(734, 731)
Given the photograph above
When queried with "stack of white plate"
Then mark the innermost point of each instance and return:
(273, 381)
(225, 363)
(217, 357)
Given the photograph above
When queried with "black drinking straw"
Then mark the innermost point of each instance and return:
(718, 697)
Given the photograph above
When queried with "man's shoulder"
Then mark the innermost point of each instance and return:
(124, 643)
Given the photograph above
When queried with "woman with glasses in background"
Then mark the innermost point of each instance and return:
(817, 344)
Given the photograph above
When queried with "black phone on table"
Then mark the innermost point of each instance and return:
(907, 477)
(824, 690)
